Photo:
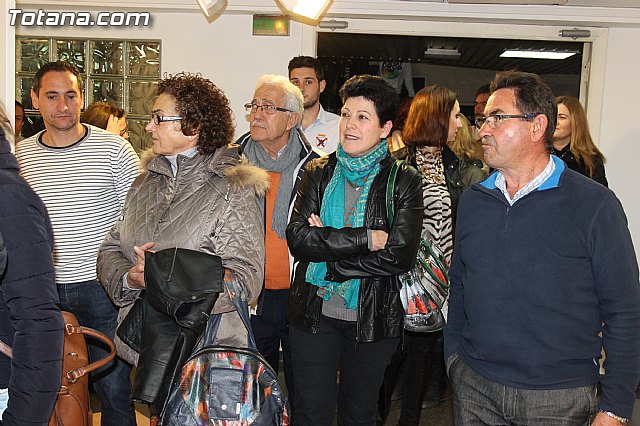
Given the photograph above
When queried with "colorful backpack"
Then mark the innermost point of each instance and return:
(226, 386)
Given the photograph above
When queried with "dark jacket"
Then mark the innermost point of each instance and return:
(182, 288)
(380, 312)
(527, 312)
(30, 320)
(571, 161)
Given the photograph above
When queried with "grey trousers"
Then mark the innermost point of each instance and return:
(479, 401)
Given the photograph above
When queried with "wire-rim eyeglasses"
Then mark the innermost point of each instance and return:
(495, 120)
(269, 109)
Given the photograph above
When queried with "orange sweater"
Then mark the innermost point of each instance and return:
(276, 269)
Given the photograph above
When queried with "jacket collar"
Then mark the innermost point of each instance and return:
(552, 181)
(224, 157)
(302, 139)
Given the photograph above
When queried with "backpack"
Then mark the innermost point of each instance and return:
(226, 386)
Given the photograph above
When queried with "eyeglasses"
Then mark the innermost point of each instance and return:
(495, 120)
(125, 131)
(157, 119)
(269, 109)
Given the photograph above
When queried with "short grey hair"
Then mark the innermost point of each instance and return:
(293, 99)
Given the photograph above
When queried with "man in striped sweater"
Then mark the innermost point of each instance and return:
(82, 173)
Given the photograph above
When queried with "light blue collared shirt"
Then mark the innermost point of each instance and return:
(501, 183)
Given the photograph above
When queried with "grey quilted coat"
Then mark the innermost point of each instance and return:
(212, 206)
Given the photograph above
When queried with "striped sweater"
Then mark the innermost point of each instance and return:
(83, 187)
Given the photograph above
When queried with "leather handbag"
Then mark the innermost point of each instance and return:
(223, 385)
(72, 403)
(425, 288)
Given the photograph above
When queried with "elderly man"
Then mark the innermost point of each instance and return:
(525, 314)
(320, 127)
(276, 143)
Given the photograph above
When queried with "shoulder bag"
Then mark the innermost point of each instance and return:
(425, 288)
(72, 403)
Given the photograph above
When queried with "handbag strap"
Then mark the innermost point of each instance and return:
(391, 185)
(234, 290)
(73, 375)
(70, 328)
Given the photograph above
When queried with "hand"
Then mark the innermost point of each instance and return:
(378, 239)
(314, 220)
(135, 279)
(114, 125)
(602, 419)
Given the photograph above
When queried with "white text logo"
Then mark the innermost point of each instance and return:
(79, 19)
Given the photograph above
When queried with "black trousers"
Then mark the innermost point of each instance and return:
(317, 359)
(271, 330)
(420, 349)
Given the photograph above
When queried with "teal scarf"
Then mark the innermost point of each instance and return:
(359, 171)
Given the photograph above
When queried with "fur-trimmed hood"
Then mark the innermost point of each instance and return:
(226, 161)
(246, 174)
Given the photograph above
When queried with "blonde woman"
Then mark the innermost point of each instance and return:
(572, 141)
(469, 152)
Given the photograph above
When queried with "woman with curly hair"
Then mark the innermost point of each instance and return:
(572, 141)
(197, 194)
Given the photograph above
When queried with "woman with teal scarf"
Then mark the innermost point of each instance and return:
(344, 311)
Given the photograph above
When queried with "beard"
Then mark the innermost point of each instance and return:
(311, 102)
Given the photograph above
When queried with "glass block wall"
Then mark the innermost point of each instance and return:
(122, 72)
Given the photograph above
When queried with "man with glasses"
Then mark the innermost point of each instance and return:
(320, 127)
(277, 144)
(82, 173)
(529, 315)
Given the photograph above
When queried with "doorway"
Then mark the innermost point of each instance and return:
(460, 63)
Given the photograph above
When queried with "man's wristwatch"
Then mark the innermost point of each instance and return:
(622, 420)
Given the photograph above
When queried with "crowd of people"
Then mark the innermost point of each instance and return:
(296, 211)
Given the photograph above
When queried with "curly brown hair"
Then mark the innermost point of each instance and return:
(204, 109)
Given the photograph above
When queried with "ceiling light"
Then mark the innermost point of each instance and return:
(442, 53)
(518, 2)
(537, 54)
(211, 7)
(311, 9)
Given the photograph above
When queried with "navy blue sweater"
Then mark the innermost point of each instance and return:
(30, 321)
(532, 284)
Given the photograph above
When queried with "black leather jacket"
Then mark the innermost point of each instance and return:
(571, 161)
(380, 312)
